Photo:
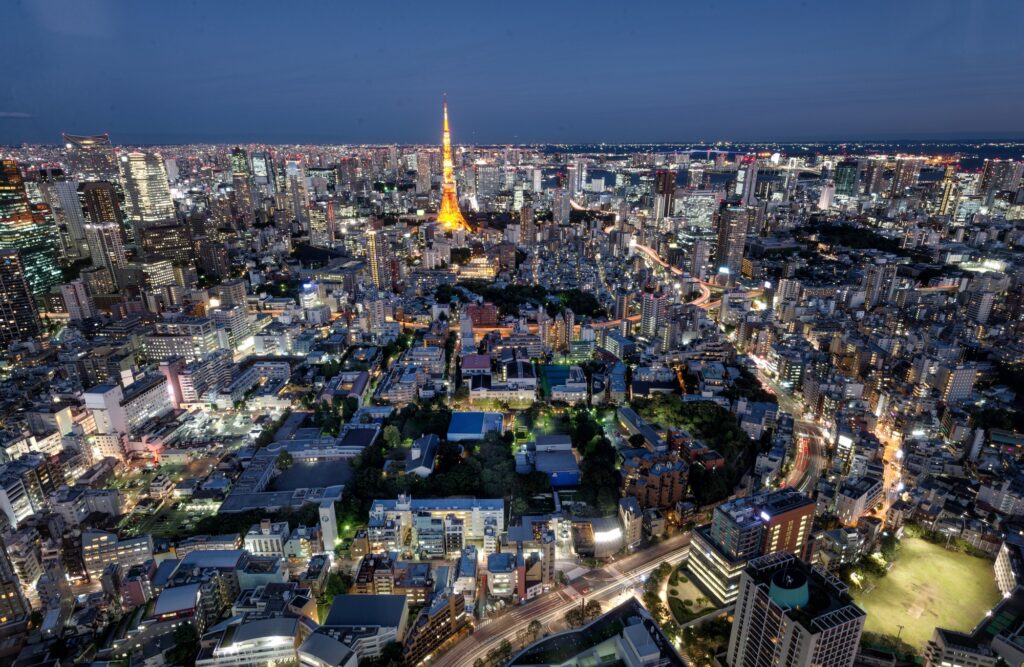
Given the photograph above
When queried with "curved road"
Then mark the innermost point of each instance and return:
(602, 585)
(705, 289)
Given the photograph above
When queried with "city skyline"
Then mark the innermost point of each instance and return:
(604, 366)
(740, 72)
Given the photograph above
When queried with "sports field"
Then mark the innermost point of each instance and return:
(928, 587)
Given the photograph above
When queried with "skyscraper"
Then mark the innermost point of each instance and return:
(423, 175)
(66, 194)
(77, 300)
(378, 257)
(950, 191)
(449, 216)
(664, 192)
(746, 180)
(874, 176)
(106, 247)
(905, 175)
(241, 180)
(745, 528)
(652, 313)
(790, 615)
(879, 282)
(527, 227)
(20, 230)
(731, 223)
(999, 175)
(147, 191)
(91, 158)
(699, 259)
(263, 172)
(99, 202)
(19, 319)
(847, 178)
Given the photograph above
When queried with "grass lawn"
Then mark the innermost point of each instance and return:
(686, 591)
(928, 587)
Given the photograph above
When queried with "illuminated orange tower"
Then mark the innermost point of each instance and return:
(450, 216)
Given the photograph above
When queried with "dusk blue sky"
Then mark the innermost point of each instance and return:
(552, 71)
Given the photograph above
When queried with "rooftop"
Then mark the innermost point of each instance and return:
(366, 610)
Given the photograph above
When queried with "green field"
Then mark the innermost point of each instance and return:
(928, 587)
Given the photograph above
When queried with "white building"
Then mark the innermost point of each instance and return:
(267, 538)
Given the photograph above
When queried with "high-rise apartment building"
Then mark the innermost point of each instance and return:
(746, 181)
(106, 246)
(77, 301)
(653, 306)
(732, 223)
(790, 615)
(879, 283)
(905, 175)
(874, 176)
(998, 176)
(378, 258)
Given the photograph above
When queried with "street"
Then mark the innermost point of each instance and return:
(605, 584)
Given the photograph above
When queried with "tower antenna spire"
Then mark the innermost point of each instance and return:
(449, 215)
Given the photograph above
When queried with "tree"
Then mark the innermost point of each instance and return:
(390, 656)
(349, 407)
(534, 629)
(392, 437)
(505, 649)
(186, 645)
(285, 460)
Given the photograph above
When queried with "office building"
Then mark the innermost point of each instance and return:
(100, 549)
(267, 538)
(189, 337)
(172, 241)
(745, 528)
(100, 202)
(847, 178)
(71, 214)
(34, 237)
(664, 192)
(19, 319)
(791, 615)
(91, 158)
(147, 191)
